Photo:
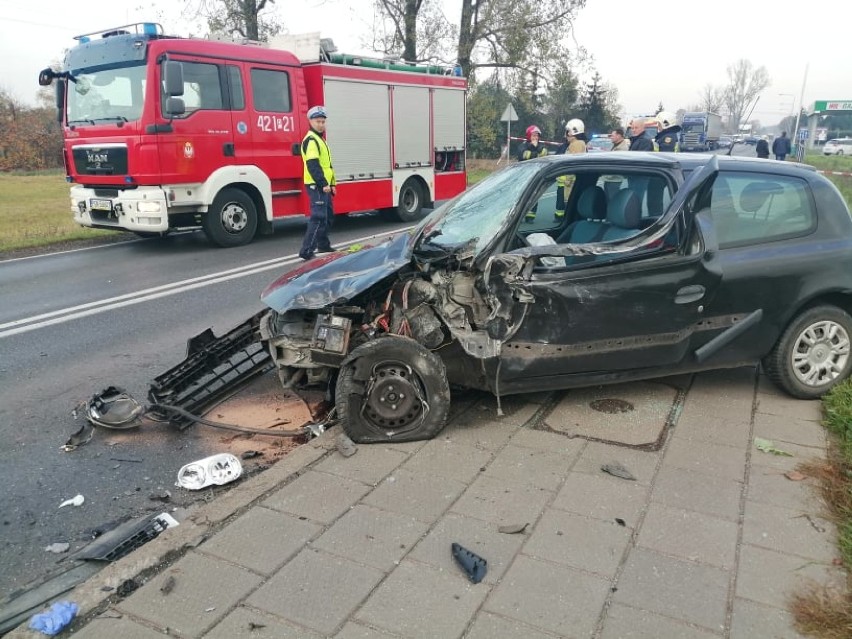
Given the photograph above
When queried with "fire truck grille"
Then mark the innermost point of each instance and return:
(100, 160)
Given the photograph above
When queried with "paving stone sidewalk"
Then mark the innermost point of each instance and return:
(708, 541)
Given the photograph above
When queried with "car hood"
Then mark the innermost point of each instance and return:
(336, 278)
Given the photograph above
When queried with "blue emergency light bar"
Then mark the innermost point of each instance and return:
(152, 29)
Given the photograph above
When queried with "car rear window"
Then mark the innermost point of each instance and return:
(752, 208)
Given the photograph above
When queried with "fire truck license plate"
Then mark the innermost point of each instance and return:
(101, 205)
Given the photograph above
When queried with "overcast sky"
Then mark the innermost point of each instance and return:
(666, 53)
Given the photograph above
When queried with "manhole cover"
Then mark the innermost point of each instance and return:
(631, 414)
(611, 406)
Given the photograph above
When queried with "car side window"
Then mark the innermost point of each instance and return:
(752, 208)
(270, 90)
(202, 89)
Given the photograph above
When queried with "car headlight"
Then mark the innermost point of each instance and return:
(217, 469)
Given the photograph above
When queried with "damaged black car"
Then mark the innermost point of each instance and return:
(558, 273)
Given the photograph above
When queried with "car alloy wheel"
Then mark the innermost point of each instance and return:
(820, 353)
(812, 355)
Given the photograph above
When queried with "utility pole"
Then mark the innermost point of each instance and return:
(799, 112)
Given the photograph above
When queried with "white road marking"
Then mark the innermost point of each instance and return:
(24, 325)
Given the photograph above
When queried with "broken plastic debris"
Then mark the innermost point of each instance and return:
(513, 529)
(216, 469)
(346, 446)
(82, 436)
(74, 501)
(53, 620)
(617, 470)
(474, 566)
(251, 454)
(768, 446)
(114, 408)
(58, 547)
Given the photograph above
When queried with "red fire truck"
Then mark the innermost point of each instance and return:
(165, 133)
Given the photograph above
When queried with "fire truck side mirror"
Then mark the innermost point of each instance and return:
(173, 78)
(46, 76)
(175, 106)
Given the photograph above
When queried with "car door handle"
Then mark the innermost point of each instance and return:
(689, 294)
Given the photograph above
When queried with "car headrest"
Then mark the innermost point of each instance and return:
(592, 204)
(625, 210)
(755, 195)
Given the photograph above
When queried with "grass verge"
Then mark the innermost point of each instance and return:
(35, 211)
(819, 611)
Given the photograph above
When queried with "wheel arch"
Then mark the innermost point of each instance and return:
(249, 179)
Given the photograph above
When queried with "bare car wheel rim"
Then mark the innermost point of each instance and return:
(820, 354)
(393, 400)
(234, 217)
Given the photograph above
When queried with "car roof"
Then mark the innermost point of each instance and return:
(685, 161)
(691, 161)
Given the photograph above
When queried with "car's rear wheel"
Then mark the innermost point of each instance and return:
(392, 389)
(231, 220)
(840, 152)
(812, 356)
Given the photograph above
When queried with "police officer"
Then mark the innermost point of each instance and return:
(532, 148)
(575, 142)
(668, 137)
(319, 184)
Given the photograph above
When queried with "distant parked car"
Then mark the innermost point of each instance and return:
(838, 146)
(725, 141)
(751, 139)
(598, 144)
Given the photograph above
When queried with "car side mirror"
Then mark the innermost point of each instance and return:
(175, 106)
(173, 78)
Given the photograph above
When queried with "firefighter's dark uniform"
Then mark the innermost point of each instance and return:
(529, 151)
(667, 140)
(318, 174)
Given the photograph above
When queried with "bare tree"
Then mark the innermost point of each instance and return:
(745, 83)
(236, 17)
(712, 98)
(513, 33)
(417, 30)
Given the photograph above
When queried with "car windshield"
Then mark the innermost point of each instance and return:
(697, 127)
(473, 218)
(108, 94)
(601, 143)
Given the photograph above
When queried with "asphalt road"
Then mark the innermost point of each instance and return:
(74, 323)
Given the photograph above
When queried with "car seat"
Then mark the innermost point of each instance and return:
(624, 216)
(591, 208)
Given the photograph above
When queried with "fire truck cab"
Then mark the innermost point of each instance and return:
(165, 133)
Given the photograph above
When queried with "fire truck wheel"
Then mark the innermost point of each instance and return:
(392, 389)
(231, 220)
(410, 202)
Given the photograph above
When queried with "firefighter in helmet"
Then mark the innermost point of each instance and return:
(575, 142)
(532, 148)
(669, 132)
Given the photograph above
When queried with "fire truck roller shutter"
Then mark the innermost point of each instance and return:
(448, 113)
(411, 128)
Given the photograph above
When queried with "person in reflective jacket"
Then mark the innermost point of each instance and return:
(320, 185)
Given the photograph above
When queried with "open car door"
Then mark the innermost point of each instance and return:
(628, 305)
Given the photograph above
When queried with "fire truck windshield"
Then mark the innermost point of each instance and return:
(115, 93)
